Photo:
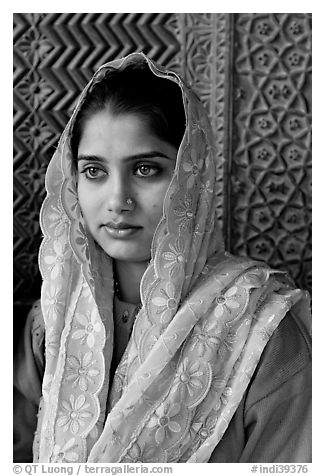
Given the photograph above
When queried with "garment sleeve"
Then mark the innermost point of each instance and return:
(278, 427)
(273, 421)
(27, 379)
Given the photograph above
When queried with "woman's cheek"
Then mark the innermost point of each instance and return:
(156, 213)
(87, 204)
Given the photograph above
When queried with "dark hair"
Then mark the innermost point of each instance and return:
(136, 90)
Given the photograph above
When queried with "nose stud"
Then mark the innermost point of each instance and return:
(129, 201)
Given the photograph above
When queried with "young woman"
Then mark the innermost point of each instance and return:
(159, 345)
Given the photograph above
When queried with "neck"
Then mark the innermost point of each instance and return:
(129, 275)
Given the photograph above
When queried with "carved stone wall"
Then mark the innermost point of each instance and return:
(204, 62)
(269, 204)
(251, 71)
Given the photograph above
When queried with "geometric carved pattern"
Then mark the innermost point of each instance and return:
(256, 89)
(270, 199)
(203, 63)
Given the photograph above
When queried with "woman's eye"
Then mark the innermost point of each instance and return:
(93, 172)
(146, 170)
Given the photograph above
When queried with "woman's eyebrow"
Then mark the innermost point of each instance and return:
(144, 155)
(90, 158)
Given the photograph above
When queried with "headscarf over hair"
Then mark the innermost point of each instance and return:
(205, 318)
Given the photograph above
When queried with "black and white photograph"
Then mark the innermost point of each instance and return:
(162, 239)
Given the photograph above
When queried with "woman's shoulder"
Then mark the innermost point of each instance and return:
(33, 337)
(286, 355)
(35, 320)
(29, 357)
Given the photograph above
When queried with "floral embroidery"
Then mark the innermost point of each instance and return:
(228, 342)
(206, 338)
(166, 304)
(53, 342)
(118, 382)
(57, 262)
(219, 385)
(194, 166)
(174, 454)
(224, 397)
(73, 415)
(205, 189)
(72, 195)
(226, 301)
(59, 221)
(90, 325)
(266, 332)
(86, 292)
(197, 232)
(66, 453)
(136, 454)
(203, 430)
(185, 213)
(162, 421)
(170, 423)
(53, 302)
(187, 379)
(81, 241)
(175, 258)
(80, 370)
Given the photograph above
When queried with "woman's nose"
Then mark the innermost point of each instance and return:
(119, 196)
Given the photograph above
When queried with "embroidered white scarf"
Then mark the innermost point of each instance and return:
(205, 319)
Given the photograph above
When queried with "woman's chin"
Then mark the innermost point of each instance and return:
(127, 252)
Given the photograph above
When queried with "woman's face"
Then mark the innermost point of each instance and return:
(124, 171)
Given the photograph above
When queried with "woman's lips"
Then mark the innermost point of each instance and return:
(121, 230)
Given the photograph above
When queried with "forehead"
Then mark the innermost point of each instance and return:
(104, 122)
(115, 135)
